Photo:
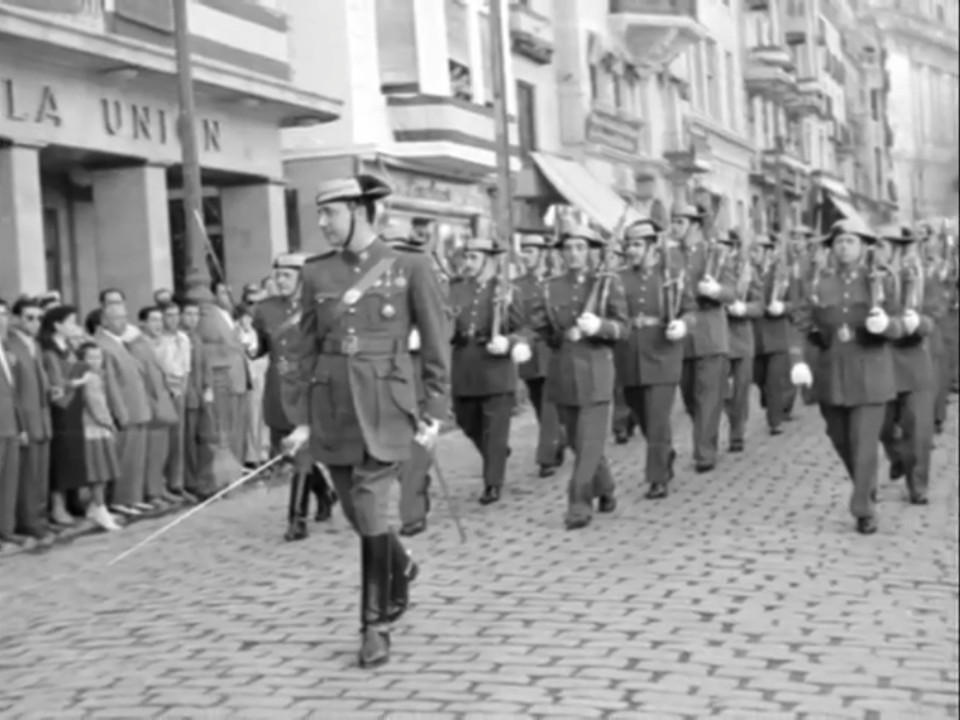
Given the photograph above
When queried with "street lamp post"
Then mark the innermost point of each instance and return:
(198, 273)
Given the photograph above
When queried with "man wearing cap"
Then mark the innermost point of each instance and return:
(907, 433)
(415, 479)
(277, 322)
(550, 443)
(850, 314)
(746, 307)
(581, 316)
(649, 363)
(705, 366)
(773, 331)
(360, 413)
(486, 351)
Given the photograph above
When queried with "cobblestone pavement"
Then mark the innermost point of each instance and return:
(746, 594)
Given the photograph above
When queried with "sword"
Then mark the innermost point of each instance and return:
(427, 438)
(196, 509)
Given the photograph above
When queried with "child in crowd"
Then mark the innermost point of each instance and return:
(99, 433)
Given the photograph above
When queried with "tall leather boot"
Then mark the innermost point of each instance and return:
(326, 499)
(404, 572)
(375, 590)
(297, 508)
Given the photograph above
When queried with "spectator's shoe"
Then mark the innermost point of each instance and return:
(16, 540)
(657, 491)
(867, 526)
(171, 498)
(125, 511)
(144, 508)
(100, 516)
(63, 518)
(491, 494)
(607, 504)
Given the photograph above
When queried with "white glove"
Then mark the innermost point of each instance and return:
(677, 330)
(776, 308)
(877, 322)
(295, 441)
(521, 353)
(589, 324)
(427, 433)
(413, 343)
(911, 321)
(801, 376)
(738, 309)
(708, 287)
(498, 345)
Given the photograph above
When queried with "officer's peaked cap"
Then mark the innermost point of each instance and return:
(359, 187)
(534, 238)
(483, 245)
(290, 261)
(850, 226)
(646, 229)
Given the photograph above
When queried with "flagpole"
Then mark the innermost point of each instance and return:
(504, 195)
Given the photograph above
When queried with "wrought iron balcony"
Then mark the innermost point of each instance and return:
(810, 99)
(656, 31)
(531, 34)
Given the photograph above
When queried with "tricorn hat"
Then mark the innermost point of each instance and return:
(359, 187)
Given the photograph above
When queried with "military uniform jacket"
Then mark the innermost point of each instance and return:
(913, 354)
(356, 370)
(710, 334)
(647, 357)
(477, 373)
(277, 322)
(742, 340)
(530, 290)
(853, 367)
(581, 371)
(775, 334)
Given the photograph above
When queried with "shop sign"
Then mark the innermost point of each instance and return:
(613, 131)
(411, 186)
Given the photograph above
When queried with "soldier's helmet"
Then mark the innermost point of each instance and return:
(646, 229)
(850, 226)
(574, 229)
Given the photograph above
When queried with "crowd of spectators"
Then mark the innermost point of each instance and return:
(107, 418)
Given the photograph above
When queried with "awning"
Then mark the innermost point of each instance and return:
(583, 190)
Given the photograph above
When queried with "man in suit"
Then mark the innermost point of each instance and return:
(129, 403)
(33, 390)
(12, 437)
(708, 345)
(360, 302)
(230, 370)
(277, 322)
(197, 403)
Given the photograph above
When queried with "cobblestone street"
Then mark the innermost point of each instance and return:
(746, 594)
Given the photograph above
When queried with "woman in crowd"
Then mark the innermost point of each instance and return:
(849, 316)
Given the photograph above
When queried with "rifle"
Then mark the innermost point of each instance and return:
(597, 301)
(671, 284)
(876, 272)
(782, 272)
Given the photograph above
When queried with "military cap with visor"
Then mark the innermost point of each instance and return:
(850, 226)
(645, 229)
(534, 239)
(360, 188)
(580, 231)
(485, 246)
(688, 211)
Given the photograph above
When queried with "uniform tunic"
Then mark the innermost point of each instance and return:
(356, 373)
(854, 375)
(705, 359)
(649, 365)
(580, 379)
(773, 335)
(749, 290)
(483, 385)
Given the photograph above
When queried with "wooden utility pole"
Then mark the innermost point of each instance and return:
(504, 196)
(198, 273)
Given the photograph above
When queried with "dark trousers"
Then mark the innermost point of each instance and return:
(772, 375)
(907, 436)
(855, 435)
(415, 485)
(364, 492)
(702, 386)
(740, 380)
(550, 440)
(586, 431)
(653, 407)
(158, 455)
(624, 421)
(191, 448)
(130, 488)
(175, 457)
(486, 421)
(33, 495)
(9, 484)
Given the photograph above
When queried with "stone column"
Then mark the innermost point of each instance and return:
(133, 232)
(254, 231)
(23, 267)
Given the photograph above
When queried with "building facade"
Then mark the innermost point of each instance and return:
(89, 155)
(921, 64)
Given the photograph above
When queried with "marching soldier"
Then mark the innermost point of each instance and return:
(360, 415)
(581, 315)
(708, 344)
(415, 480)
(907, 434)
(849, 315)
(624, 420)
(773, 334)
(277, 322)
(550, 442)
(805, 254)
(741, 313)
(486, 351)
(649, 362)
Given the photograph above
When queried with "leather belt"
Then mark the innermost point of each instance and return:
(355, 345)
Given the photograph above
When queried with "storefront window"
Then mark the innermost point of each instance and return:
(52, 249)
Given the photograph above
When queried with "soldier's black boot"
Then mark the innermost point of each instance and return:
(403, 572)
(326, 499)
(297, 509)
(375, 592)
